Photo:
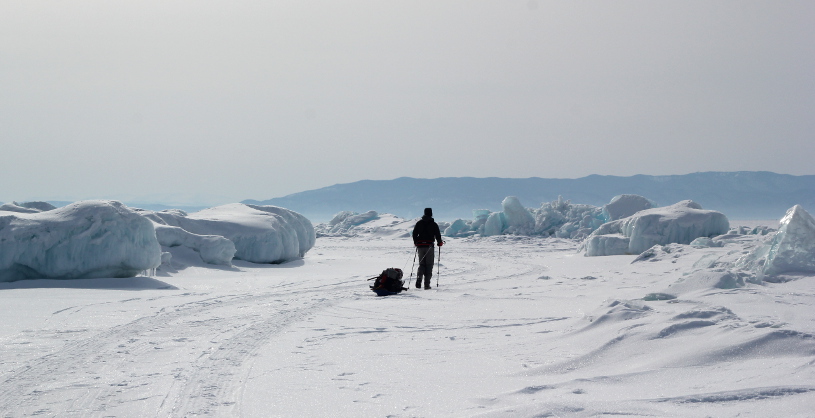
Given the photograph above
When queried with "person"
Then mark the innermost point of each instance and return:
(425, 233)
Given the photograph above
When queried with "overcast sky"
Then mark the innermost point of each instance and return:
(209, 102)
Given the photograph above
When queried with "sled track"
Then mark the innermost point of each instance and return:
(213, 382)
(115, 371)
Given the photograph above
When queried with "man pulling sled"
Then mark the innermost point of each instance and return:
(425, 233)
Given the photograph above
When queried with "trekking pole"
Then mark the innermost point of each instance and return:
(438, 271)
(410, 279)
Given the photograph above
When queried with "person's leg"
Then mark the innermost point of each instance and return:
(429, 259)
(420, 272)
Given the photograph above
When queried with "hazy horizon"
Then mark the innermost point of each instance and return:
(168, 201)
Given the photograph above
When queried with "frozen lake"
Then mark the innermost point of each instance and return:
(517, 327)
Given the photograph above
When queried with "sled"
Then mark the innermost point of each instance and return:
(389, 282)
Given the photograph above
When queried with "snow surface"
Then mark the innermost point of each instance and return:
(679, 223)
(82, 240)
(517, 326)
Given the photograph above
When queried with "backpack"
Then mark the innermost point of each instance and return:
(389, 282)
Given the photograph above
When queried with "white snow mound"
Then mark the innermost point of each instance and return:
(213, 249)
(680, 223)
(260, 234)
(625, 205)
(27, 207)
(89, 239)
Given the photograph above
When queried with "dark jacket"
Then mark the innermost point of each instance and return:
(425, 232)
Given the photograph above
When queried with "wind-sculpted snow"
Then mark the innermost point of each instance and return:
(83, 240)
(679, 223)
(791, 250)
(260, 234)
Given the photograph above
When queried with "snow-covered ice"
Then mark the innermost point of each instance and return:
(82, 240)
(27, 207)
(791, 250)
(213, 249)
(260, 234)
(517, 326)
(679, 223)
(560, 218)
(518, 219)
(625, 205)
(495, 224)
(351, 224)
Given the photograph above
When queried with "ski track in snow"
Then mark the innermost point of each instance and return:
(517, 327)
(92, 371)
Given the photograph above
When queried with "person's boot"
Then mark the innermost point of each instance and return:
(418, 282)
(426, 283)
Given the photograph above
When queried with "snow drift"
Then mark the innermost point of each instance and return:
(87, 239)
(259, 234)
(680, 223)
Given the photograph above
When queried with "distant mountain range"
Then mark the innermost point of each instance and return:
(739, 195)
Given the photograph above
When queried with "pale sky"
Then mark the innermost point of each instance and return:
(209, 102)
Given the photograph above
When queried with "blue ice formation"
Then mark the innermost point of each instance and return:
(518, 219)
(458, 228)
(793, 246)
(344, 221)
(560, 218)
(564, 219)
(466, 228)
(89, 239)
(495, 224)
(791, 250)
(680, 223)
(260, 234)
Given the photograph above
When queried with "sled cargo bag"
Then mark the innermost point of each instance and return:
(389, 282)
